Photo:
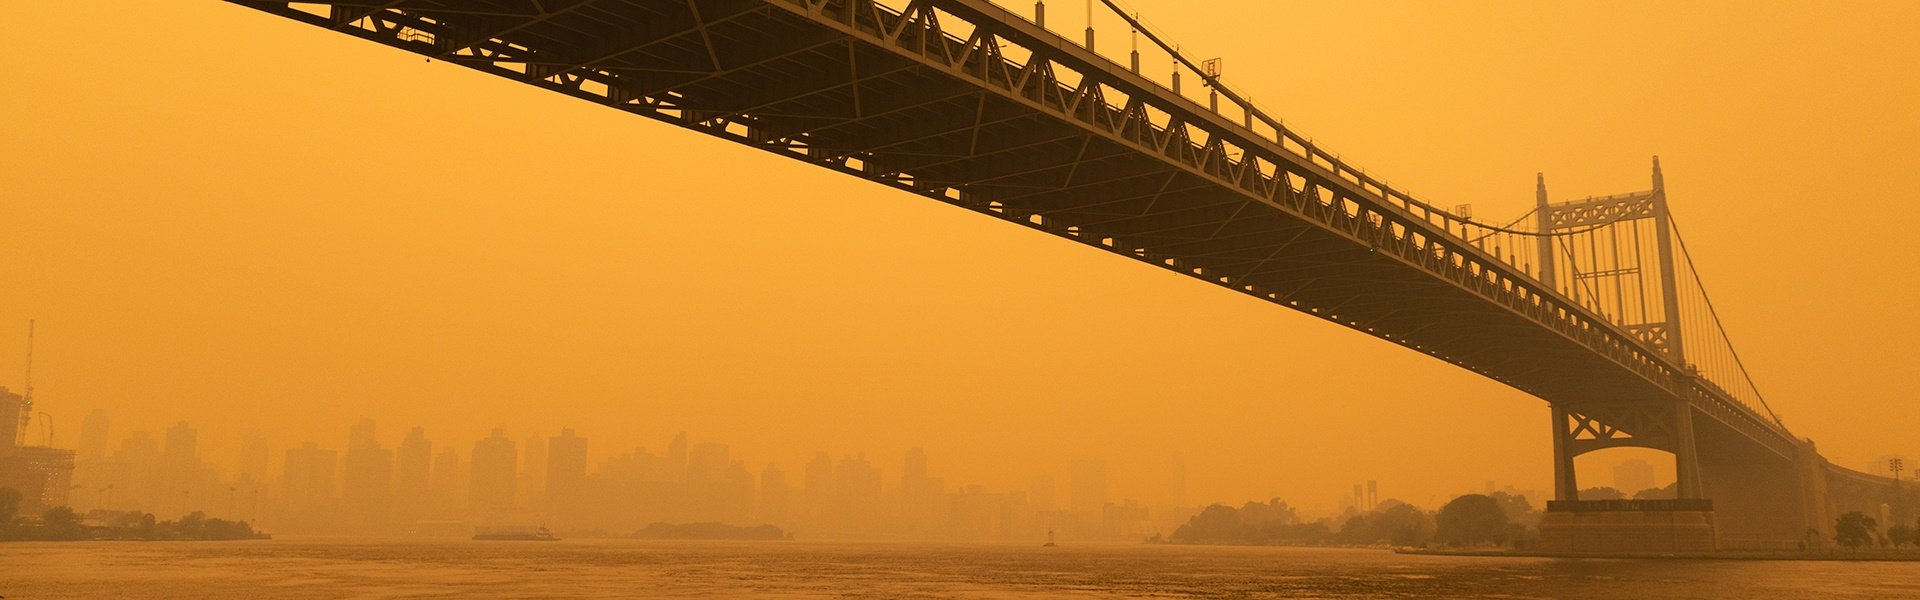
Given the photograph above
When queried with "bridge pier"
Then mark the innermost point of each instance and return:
(1684, 524)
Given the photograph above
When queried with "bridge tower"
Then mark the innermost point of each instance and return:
(1593, 251)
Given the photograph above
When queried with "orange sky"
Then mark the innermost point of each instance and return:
(222, 216)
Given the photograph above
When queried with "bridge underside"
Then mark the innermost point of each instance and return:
(772, 75)
(960, 102)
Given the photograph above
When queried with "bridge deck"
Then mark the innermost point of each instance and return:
(963, 102)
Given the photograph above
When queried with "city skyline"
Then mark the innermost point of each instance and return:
(374, 482)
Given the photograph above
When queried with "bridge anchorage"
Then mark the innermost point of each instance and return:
(1593, 306)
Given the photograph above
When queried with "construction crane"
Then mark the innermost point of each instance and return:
(26, 396)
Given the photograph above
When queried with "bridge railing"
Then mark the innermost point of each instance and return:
(1514, 244)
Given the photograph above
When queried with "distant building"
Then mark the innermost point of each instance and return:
(42, 475)
(566, 474)
(308, 478)
(12, 407)
(93, 436)
(493, 473)
(1632, 476)
(533, 471)
(773, 498)
(366, 477)
(412, 470)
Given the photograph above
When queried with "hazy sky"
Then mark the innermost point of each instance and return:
(227, 217)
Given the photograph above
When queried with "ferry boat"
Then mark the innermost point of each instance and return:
(514, 534)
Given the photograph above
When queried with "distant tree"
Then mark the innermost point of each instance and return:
(1659, 493)
(1518, 509)
(1471, 520)
(1900, 535)
(1854, 529)
(1601, 493)
(9, 509)
(60, 523)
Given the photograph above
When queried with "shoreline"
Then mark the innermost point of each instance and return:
(1722, 555)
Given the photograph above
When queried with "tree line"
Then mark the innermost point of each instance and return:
(1470, 520)
(62, 524)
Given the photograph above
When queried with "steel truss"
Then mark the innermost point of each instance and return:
(964, 102)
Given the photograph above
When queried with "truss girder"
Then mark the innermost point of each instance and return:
(925, 99)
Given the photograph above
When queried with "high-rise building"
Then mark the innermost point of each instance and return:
(676, 452)
(817, 489)
(494, 469)
(11, 407)
(93, 436)
(923, 499)
(361, 435)
(707, 462)
(1632, 476)
(857, 492)
(566, 474)
(308, 478)
(367, 476)
(183, 446)
(773, 498)
(412, 469)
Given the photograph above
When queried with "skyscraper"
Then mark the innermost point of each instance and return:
(533, 471)
(93, 436)
(412, 468)
(493, 473)
(773, 504)
(367, 476)
(566, 474)
(308, 477)
(1632, 476)
(183, 446)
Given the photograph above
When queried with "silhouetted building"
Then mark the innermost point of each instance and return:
(566, 475)
(308, 478)
(923, 501)
(42, 475)
(412, 470)
(93, 436)
(1632, 476)
(493, 470)
(533, 471)
(367, 477)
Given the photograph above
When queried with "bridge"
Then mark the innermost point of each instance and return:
(1590, 304)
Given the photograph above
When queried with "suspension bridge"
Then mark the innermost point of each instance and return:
(1591, 304)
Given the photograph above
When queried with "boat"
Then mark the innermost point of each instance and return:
(514, 534)
(1049, 543)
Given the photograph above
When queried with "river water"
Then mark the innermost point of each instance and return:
(407, 568)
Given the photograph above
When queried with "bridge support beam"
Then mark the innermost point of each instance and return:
(1565, 485)
(1686, 454)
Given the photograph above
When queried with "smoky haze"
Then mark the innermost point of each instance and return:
(270, 232)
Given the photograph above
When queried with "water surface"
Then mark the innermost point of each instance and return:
(408, 568)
